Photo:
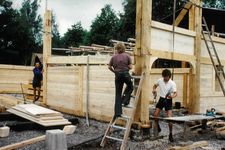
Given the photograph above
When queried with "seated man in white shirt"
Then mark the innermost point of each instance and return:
(168, 91)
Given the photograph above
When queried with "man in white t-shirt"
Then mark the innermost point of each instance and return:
(168, 91)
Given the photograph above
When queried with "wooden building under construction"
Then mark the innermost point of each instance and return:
(83, 85)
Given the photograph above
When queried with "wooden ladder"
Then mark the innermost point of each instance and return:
(219, 70)
(128, 119)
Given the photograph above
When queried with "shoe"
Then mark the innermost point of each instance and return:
(126, 103)
(116, 116)
(171, 137)
(159, 129)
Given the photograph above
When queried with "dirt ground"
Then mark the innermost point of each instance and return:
(89, 138)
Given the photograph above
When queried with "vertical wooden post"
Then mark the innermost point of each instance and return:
(142, 56)
(47, 48)
(195, 107)
(191, 14)
(185, 85)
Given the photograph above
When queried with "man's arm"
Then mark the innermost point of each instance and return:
(111, 69)
(173, 95)
(130, 66)
(154, 88)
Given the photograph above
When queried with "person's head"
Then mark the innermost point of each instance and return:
(166, 74)
(37, 65)
(120, 47)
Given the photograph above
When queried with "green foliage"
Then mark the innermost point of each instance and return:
(214, 4)
(74, 36)
(127, 20)
(20, 32)
(104, 26)
(56, 39)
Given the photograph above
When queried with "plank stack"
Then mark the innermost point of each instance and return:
(40, 115)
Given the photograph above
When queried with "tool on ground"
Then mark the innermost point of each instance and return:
(211, 112)
(213, 55)
(125, 130)
(24, 99)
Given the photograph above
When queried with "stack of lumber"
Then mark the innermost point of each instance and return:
(7, 101)
(43, 116)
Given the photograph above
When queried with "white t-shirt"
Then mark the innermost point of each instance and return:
(166, 87)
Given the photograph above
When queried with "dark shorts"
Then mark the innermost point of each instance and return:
(36, 84)
(164, 103)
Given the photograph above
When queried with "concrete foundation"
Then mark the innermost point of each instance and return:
(4, 131)
(55, 140)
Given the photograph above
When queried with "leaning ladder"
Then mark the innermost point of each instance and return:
(213, 54)
(127, 119)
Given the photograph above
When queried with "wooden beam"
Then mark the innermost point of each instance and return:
(79, 60)
(177, 56)
(191, 24)
(185, 85)
(142, 56)
(195, 89)
(166, 27)
(23, 143)
(182, 14)
(47, 48)
(190, 147)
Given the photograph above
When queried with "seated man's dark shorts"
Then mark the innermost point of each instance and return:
(164, 103)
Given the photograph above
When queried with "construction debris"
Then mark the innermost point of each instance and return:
(43, 116)
(69, 129)
(4, 131)
(8, 101)
(192, 146)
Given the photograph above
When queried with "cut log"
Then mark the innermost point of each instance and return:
(23, 143)
(192, 146)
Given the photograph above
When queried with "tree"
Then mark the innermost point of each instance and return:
(8, 23)
(74, 36)
(214, 4)
(127, 20)
(104, 27)
(56, 39)
(20, 32)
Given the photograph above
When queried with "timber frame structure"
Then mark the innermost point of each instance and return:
(82, 85)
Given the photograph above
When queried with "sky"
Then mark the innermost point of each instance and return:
(69, 12)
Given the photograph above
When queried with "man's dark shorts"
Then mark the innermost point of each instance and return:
(36, 84)
(164, 103)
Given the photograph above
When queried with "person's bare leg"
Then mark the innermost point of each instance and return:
(39, 93)
(170, 114)
(156, 115)
(34, 95)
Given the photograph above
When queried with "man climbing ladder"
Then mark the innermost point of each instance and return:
(120, 64)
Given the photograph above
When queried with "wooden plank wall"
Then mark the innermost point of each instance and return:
(64, 85)
(162, 33)
(11, 76)
(66, 89)
(209, 97)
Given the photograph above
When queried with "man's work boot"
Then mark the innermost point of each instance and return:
(171, 137)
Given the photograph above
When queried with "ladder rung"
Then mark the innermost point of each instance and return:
(132, 96)
(206, 32)
(127, 106)
(135, 86)
(204, 25)
(136, 77)
(113, 138)
(124, 117)
(118, 127)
